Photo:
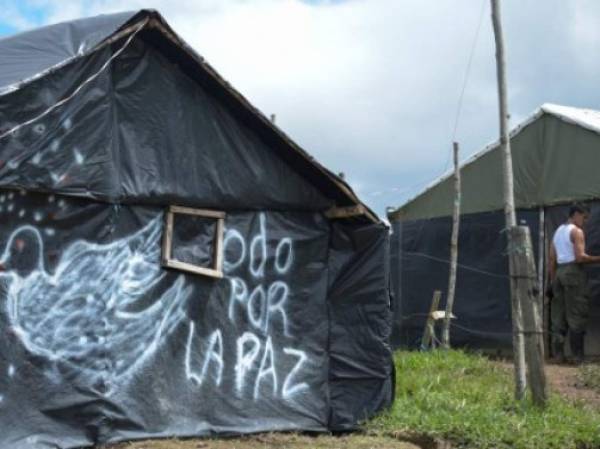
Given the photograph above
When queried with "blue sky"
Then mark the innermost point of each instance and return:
(6, 28)
(371, 87)
(323, 2)
(16, 15)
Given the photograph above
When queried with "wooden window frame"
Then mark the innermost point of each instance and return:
(216, 271)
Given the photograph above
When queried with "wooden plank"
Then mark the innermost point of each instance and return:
(441, 314)
(167, 237)
(428, 333)
(345, 212)
(219, 245)
(168, 261)
(193, 268)
(208, 213)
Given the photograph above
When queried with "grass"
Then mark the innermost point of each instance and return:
(468, 400)
(590, 376)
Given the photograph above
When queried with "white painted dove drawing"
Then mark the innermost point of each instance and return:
(103, 311)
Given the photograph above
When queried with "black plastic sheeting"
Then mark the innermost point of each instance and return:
(99, 343)
(193, 239)
(29, 53)
(143, 132)
(361, 368)
(420, 254)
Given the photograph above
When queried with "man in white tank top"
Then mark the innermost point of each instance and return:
(570, 303)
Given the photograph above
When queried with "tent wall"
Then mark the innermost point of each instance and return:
(99, 343)
(361, 369)
(420, 265)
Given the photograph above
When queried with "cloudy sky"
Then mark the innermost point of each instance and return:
(371, 87)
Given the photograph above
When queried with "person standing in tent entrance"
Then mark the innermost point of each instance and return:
(570, 301)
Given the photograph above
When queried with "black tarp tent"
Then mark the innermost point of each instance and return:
(172, 263)
(555, 159)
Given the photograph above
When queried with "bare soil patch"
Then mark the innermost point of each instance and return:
(275, 441)
(566, 380)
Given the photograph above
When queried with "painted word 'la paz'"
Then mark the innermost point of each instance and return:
(254, 360)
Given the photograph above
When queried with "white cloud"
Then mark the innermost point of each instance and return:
(370, 87)
(10, 14)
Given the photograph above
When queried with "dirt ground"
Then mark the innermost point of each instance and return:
(565, 380)
(275, 441)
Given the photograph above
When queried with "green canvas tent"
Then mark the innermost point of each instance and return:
(556, 161)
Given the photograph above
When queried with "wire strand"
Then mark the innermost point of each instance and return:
(466, 267)
(79, 88)
(468, 70)
(458, 109)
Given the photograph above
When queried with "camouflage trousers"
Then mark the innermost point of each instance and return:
(571, 301)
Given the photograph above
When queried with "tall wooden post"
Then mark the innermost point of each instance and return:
(428, 339)
(509, 203)
(527, 289)
(541, 266)
(453, 251)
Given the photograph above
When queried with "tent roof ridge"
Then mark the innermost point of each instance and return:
(585, 118)
(117, 26)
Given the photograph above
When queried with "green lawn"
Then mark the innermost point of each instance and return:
(468, 400)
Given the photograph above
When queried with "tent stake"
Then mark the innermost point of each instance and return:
(453, 251)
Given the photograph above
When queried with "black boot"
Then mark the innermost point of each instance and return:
(577, 346)
(558, 349)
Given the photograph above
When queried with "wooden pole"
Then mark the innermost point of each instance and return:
(509, 203)
(521, 255)
(541, 266)
(546, 300)
(453, 251)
